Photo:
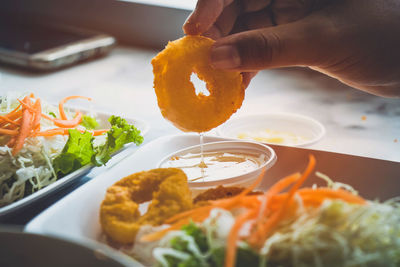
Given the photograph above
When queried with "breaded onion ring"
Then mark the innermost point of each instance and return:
(119, 212)
(176, 94)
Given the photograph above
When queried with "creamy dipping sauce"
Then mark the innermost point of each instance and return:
(273, 137)
(212, 166)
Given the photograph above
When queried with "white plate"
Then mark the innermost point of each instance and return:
(64, 181)
(76, 216)
(275, 128)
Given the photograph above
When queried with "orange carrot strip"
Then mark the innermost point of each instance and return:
(14, 111)
(27, 106)
(62, 102)
(8, 120)
(52, 132)
(12, 116)
(38, 115)
(230, 252)
(13, 126)
(98, 132)
(276, 217)
(328, 193)
(322, 194)
(69, 123)
(64, 131)
(25, 129)
(221, 203)
(315, 197)
(279, 187)
(188, 213)
(8, 132)
(11, 142)
(60, 123)
(275, 189)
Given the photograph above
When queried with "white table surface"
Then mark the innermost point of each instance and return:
(122, 83)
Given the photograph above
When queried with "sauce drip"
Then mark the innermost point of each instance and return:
(202, 164)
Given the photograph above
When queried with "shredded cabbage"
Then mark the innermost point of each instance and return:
(32, 168)
(336, 234)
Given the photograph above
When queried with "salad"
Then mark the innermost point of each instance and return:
(319, 226)
(41, 142)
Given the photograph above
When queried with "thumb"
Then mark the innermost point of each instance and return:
(307, 42)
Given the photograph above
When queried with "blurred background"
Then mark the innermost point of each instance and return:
(140, 22)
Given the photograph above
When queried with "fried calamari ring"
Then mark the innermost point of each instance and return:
(119, 212)
(176, 94)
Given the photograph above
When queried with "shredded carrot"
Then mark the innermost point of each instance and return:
(13, 115)
(62, 102)
(230, 252)
(275, 189)
(276, 217)
(98, 132)
(11, 142)
(69, 123)
(14, 111)
(8, 120)
(328, 193)
(8, 132)
(38, 115)
(25, 129)
(203, 212)
(188, 213)
(64, 131)
(264, 212)
(53, 132)
(25, 120)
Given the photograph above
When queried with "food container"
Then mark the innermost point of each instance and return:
(274, 128)
(264, 155)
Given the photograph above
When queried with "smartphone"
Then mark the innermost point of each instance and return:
(50, 47)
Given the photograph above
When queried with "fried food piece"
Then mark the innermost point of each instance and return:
(176, 95)
(220, 192)
(166, 188)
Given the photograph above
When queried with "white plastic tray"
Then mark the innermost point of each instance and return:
(76, 216)
(64, 181)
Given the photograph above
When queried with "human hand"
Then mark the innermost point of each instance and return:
(357, 42)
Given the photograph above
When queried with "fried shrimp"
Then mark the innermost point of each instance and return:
(167, 189)
(176, 95)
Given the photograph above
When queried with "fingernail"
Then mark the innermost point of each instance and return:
(225, 57)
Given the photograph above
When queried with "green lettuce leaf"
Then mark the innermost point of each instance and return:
(89, 123)
(214, 256)
(77, 152)
(80, 150)
(121, 133)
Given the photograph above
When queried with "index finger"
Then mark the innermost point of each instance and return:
(204, 16)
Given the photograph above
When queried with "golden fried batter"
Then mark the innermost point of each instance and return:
(220, 192)
(119, 212)
(176, 95)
